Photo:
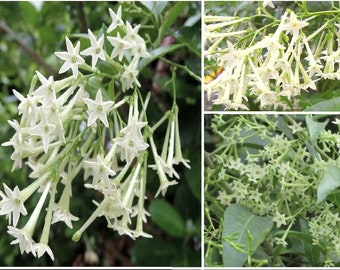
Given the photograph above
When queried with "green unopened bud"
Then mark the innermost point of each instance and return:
(76, 236)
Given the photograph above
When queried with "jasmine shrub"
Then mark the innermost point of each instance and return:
(92, 123)
(272, 53)
(284, 168)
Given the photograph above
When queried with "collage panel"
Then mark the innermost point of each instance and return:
(271, 190)
(271, 180)
(271, 55)
(99, 166)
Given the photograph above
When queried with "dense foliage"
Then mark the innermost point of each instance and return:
(271, 190)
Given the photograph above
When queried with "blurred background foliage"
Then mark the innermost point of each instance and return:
(30, 33)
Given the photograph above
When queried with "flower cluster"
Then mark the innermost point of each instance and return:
(272, 64)
(76, 126)
(275, 171)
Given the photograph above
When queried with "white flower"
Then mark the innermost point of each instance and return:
(131, 140)
(46, 90)
(140, 233)
(280, 241)
(97, 109)
(119, 46)
(64, 215)
(71, 57)
(132, 34)
(45, 131)
(116, 19)
(99, 170)
(294, 25)
(280, 219)
(232, 58)
(135, 41)
(27, 106)
(17, 140)
(23, 238)
(268, 3)
(12, 204)
(164, 182)
(41, 248)
(139, 50)
(96, 49)
(129, 77)
(167, 168)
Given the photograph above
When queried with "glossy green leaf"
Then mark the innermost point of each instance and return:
(167, 217)
(170, 18)
(334, 197)
(326, 106)
(155, 54)
(238, 220)
(315, 128)
(330, 181)
(156, 7)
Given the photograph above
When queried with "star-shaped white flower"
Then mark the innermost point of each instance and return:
(132, 34)
(119, 46)
(45, 131)
(129, 77)
(98, 109)
(71, 57)
(24, 240)
(131, 140)
(96, 49)
(116, 19)
(12, 204)
(99, 170)
(42, 248)
(64, 215)
(46, 90)
(294, 25)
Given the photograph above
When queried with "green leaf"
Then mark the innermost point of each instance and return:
(170, 18)
(330, 181)
(312, 150)
(238, 220)
(155, 54)
(326, 106)
(189, 36)
(167, 217)
(156, 7)
(315, 128)
(153, 252)
(312, 252)
(334, 197)
(30, 13)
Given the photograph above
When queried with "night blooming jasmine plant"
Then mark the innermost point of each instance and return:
(272, 191)
(92, 125)
(267, 61)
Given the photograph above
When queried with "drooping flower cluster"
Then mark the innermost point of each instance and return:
(271, 65)
(75, 125)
